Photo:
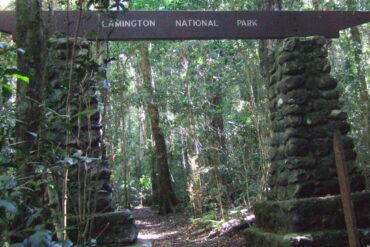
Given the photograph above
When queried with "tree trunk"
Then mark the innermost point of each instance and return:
(123, 143)
(267, 45)
(192, 156)
(167, 198)
(29, 96)
(217, 146)
(29, 106)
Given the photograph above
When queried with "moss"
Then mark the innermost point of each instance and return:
(312, 214)
(257, 238)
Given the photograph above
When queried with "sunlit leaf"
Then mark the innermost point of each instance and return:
(21, 50)
(87, 112)
(32, 133)
(22, 77)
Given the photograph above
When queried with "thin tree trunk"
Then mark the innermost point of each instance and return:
(217, 146)
(167, 199)
(123, 142)
(192, 156)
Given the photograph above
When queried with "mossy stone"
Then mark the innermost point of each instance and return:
(292, 68)
(291, 82)
(330, 94)
(327, 82)
(297, 147)
(294, 121)
(307, 162)
(315, 118)
(285, 57)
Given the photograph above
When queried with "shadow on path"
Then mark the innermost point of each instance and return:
(175, 231)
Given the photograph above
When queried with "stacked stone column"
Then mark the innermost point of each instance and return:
(305, 112)
(89, 173)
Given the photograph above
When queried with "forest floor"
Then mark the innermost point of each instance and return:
(176, 230)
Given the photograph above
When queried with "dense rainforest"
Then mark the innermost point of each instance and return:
(182, 127)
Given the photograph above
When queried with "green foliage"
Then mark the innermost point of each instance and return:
(122, 5)
(210, 219)
(6, 73)
(145, 182)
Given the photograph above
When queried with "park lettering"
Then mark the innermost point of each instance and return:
(128, 23)
(196, 23)
(246, 23)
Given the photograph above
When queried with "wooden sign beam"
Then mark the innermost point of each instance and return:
(186, 25)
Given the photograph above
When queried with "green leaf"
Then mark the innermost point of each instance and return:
(22, 77)
(84, 113)
(68, 126)
(9, 206)
(7, 91)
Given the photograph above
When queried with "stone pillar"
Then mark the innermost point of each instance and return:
(89, 174)
(305, 112)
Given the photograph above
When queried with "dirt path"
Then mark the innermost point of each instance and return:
(176, 231)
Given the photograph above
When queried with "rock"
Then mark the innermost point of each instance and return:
(292, 68)
(285, 57)
(307, 162)
(296, 147)
(323, 172)
(115, 228)
(322, 146)
(316, 118)
(328, 160)
(301, 190)
(296, 132)
(297, 97)
(330, 94)
(338, 115)
(326, 187)
(299, 176)
(291, 82)
(327, 82)
(292, 110)
(294, 121)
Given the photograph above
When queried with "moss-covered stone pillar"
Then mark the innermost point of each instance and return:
(304, 208)
(73, 92)
(305, 112)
